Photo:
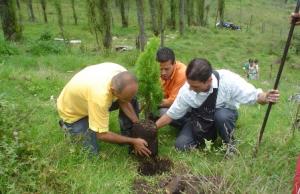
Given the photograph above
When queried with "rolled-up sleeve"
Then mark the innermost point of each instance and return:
(180, 107)
(241, 91)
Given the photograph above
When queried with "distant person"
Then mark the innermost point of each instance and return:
(246, 67)
(253, 72)
(296, 16)
(212, 97)
(85, 102)
(172, 76)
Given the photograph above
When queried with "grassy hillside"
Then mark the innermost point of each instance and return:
(35, 157)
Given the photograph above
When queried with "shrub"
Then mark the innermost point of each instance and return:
(7, 48)
(150, 92)
(44, 47)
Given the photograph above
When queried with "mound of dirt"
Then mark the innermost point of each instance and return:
(154, 166)
(181, 180)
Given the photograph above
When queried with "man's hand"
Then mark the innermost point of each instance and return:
(140, 147)
(296, 17)
(272, 96)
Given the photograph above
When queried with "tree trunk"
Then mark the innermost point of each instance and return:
(181, 16)
(20, 17)
(60, 19)
(141, 41)
(207, 7)
(92, 19)
(201, 11)
(106, 23)
(190, 12)
(123, 5)
(173, 14)
(44, 5)
(221, 8)
(10, 26)
(153, 7)
(161, 21)
(30, 11)
(74, 12)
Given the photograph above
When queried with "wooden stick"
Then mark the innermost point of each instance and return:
(285, 52)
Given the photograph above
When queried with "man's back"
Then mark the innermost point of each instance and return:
(90, 86)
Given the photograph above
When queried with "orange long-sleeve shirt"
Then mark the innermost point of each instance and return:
(172, 86)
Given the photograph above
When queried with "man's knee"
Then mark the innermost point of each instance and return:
(225, 118)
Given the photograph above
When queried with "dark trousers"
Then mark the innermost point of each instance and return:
(80, 132)
(224, 124)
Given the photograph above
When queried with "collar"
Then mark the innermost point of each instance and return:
(213, 85)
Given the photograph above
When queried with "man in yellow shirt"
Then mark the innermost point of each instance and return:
(85, 102)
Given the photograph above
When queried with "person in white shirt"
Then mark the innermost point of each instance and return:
(211, 99)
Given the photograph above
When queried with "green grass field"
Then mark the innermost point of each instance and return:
(35, 157)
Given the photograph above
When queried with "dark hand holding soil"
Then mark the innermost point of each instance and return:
(140, 146)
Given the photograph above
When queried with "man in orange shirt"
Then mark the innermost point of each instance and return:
(172, 76)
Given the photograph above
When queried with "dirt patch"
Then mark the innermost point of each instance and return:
(147, 131)
(154, 166)
(181, 180)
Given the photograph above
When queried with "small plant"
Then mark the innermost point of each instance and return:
(47, 35)
(7, 48)
(150, 92)
(208, 145)
(43, 47)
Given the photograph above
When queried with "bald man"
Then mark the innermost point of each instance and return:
(85, 102)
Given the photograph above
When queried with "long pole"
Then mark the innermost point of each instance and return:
(286, 49)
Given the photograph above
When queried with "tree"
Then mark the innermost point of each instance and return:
(105, 22)
(221, 7)
(30, 11)
(148, 74)
(44, 6)
(181, 16)
(190, 12)
(92, 20)
(124, 5)
(11, 28)
(201, 11)
(60, 18)
(141, 40)
(20, 17)
(161, 21)
(153, 7)
(172, 22)
(74, 12)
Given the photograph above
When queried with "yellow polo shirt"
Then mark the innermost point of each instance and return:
(88, 93)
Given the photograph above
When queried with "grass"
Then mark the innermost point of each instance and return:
(35, 157)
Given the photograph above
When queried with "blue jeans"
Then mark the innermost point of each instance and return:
(224, 124)
(81, 133)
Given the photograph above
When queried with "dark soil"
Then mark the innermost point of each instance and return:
(147, 131)
(181, 180)
(154, 166)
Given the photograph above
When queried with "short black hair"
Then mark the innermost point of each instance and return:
(165, 54)
(198, 69)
